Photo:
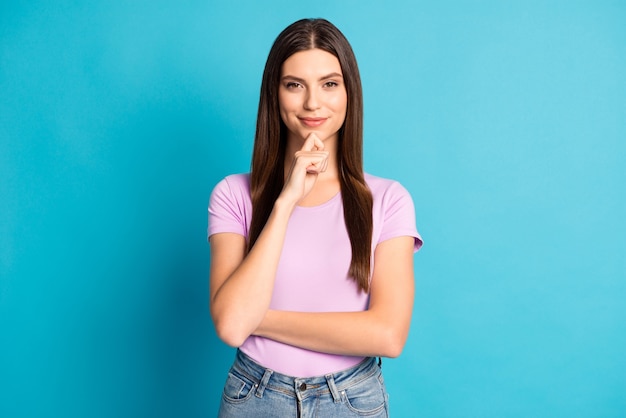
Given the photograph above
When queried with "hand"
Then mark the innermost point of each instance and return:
(307, 164)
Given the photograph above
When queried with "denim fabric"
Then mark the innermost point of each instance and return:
(254, 391)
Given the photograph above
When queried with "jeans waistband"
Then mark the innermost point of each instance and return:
(332, 383)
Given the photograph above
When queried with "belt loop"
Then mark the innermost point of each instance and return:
(380, 362)
(333, 389)
(263, 383)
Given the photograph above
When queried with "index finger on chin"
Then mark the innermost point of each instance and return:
(312, 143)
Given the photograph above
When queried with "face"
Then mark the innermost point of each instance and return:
(312, 95)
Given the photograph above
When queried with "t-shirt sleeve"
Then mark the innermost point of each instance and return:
(399, 216)
(227, 211)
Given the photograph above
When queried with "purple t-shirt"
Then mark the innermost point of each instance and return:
(312, 274)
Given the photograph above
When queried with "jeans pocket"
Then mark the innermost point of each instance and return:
(367, 397)
(237, 389)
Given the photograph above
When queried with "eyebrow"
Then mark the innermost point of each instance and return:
(300, 80)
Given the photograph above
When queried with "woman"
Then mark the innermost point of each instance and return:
(311, 259)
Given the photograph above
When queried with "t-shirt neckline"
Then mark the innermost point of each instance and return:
(321, 205)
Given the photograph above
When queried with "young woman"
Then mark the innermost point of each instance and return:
(311, 259)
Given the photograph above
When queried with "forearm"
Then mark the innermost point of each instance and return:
(241, 301)
(381, 330)
(366, 333)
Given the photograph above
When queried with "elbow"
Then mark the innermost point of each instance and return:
(229, 331)
(393, 350)
(394, 343)
(232, 340)
(230, 335)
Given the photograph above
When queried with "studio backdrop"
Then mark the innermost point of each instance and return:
(505, 120)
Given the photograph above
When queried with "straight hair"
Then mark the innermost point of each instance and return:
(268, 158)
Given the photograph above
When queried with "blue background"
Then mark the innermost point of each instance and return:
(505, 120)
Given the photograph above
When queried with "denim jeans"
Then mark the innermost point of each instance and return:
(254, 391)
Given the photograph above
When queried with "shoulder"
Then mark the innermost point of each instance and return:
(390, 197)
(237, 181)
(232, 191)
(230, 205)
(384, 188)
(393, 211)
(236, 185)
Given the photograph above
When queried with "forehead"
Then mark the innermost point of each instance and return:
(311, 63)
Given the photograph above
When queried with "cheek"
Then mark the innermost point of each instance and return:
(340, 103)
(287, 105)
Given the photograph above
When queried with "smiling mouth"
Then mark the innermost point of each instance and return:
(312, 122)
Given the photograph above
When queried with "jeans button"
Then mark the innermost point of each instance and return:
(302, 387)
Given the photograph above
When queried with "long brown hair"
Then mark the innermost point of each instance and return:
(268, 158)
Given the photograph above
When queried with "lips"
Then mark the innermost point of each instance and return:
(312, 122)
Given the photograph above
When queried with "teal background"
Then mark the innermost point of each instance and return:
(505, 120)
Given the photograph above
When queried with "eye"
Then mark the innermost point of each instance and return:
(331, 84)
(291, 85)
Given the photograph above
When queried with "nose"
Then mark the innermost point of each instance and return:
(311, 101)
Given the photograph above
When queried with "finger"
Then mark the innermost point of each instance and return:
(322, 163)
(312, 143)
(318, 144)
(315, 166)
(309, 143)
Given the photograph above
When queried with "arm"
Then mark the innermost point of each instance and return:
(381, 330)
(241, 285)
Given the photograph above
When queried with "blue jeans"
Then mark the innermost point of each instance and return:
(251, 390)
